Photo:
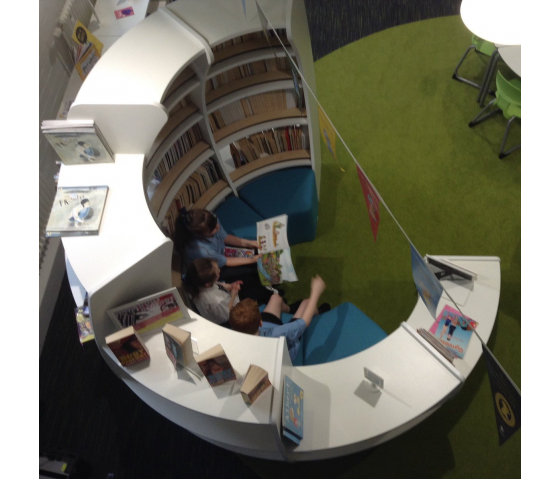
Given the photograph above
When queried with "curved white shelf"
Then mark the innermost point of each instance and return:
(249, 57)
(184, 90)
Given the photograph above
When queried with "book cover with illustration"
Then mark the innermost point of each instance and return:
(77, 144)
(128, 347)
(83, 321)
(77, 211)
(215, 366)
(235, 252)
(150, 312)
(177, 345)
(453, 330)
(87, 50)
(427, 285)
(292, 411)
(275, 265)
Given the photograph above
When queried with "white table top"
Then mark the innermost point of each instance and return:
(512, 56)
(494, 20)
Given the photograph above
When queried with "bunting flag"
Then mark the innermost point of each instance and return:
(327, 132)
(297, 89)
(427, 285)
(372, 201)
(505, 396)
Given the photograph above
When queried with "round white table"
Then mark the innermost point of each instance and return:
(511, 55)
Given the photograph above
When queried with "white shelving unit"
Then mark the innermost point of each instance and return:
(130, 94)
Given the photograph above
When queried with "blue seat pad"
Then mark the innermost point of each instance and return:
(238, 218)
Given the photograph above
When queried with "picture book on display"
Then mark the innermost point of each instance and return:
(85, 331)
(178, 345)
(234, 252)
(87, 49)
(275, 265)
(77, 210)
(437, 345)
(292, 411)
(151, 312)
(453, 330)
(128, 347)
(77, 142)
(255, 382)
(215, 366)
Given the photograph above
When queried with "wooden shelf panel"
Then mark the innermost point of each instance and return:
(172, 123)
(247, 82)
(220, 188)
(166, 187)
(270, 116)
(181, 93)
(245, 47)
(270, 160)
(249, 57)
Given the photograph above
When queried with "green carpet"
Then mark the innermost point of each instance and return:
(392, 98)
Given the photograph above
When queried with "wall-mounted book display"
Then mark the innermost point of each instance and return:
(150, 312)
(77, 211)
(77, 142)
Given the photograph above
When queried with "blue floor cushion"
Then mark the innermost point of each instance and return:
(237, 218)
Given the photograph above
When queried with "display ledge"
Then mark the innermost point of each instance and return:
(185, 76)
(245, 47)
(246, 82)
(213, 196)
(165, 143)
(286, 159)
(242, 59)
(180, 93)
(262, 121)
(176, 177)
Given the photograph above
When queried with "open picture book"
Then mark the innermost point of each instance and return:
(275, 265)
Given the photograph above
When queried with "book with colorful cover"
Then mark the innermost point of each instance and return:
(255, 382)
(77, 210)
(87, 50)
(234, 252)
(453, 330)
(151, 312)
(178, 345)
(128, 347)
(85, 330)
(275, 265)
(215, 366)
(292, 411)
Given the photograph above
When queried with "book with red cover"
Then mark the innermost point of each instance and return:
(128, 347)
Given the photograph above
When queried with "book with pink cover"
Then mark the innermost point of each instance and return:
(453, 330)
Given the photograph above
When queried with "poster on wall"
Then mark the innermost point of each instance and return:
(372, 201)
(427, 285)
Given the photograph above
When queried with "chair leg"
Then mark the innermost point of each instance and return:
(456, 72)
(488, 75)
(503, 153)
(481, 116)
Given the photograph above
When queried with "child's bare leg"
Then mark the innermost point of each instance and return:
(275, 306)
(301, 309)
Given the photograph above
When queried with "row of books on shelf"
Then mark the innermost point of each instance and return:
(270, 142)
(247, 70)
(159, 311)
(253, 105)
(248, 37)
(183, 144)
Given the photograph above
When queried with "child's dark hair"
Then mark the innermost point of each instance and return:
(245, 316)
(199, 273)
(193, 224)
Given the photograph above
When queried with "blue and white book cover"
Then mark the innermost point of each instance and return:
(292, 415)
(427, 285)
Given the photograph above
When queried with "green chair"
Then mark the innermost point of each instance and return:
(508, 100)
(483, 47)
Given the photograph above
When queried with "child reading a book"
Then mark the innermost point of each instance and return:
(199, 234)
(246, 318)
(212, 299)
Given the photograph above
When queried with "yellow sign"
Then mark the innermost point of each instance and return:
(82, 36)
(327, 132)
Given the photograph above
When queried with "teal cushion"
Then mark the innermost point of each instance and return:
(339, 333)
(238, 219)
(292, 191)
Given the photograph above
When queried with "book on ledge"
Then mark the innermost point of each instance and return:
(275, 265)
(128, 347)
(150, 312)
(292, 411)
(178, 345)
(255, 382)
(77, 142)
(453, 330)
(215, 366)
(77, 211)
(436, 344)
